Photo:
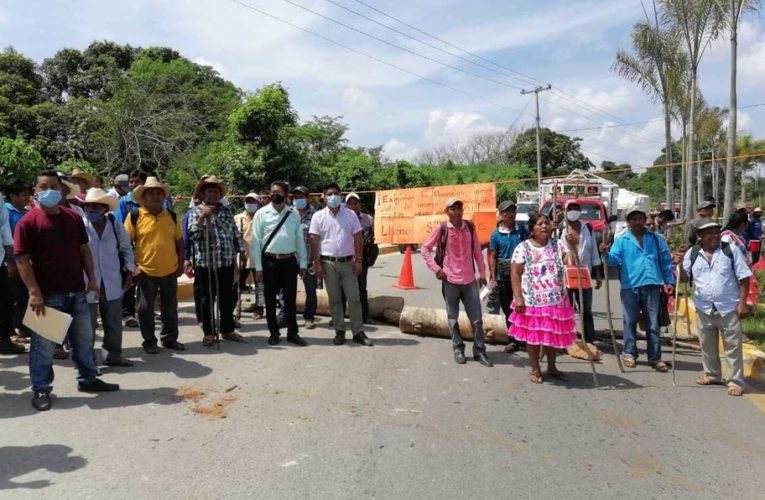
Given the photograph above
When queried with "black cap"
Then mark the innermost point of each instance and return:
(506, 205)
(301, 189)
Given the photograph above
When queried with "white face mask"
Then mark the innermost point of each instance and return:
(573, 215)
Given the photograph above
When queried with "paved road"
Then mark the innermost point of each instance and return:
(398, 420)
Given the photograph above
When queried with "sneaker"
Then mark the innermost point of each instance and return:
(130, 322)
(97, 385)
(310, 324)
(41, 401)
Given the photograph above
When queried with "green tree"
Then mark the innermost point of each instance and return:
(731, 12)
(560, 153)
(654, 67)
(18, 161)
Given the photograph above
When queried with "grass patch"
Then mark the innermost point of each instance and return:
(754, 328)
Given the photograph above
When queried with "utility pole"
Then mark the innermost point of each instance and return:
(536, 92)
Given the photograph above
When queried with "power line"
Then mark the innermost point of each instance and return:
(609, 126)
(418, 54)
(374, 58)
(520, 76)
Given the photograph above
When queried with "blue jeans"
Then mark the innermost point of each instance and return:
(80, 337)
(634, 300)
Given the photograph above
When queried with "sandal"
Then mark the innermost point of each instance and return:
(734, 390)
(121, 361)
(661, 366)
(535, 378)
(707, 380)
(60, 353)
(558, 375)
(233, 337)
(256, 316)
(629, 362)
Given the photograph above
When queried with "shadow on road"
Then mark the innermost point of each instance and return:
(17, 461)
(19, 405)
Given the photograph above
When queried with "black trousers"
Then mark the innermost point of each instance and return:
(589, 321)
(281, 274)
(6, 306)
(166, 287)
(20, 297)
(224, 292)
(128, 302)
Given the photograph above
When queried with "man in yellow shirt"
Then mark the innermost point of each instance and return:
(159, 261)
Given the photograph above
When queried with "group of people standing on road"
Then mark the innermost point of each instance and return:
(538, 272)
(89, 253)
(69, 245)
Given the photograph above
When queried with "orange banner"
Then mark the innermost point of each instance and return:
(409, 215)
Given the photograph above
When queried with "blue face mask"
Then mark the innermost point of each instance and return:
(49, 198)
(251, 207)
(300, 203)
(94, 217)
(334, 201)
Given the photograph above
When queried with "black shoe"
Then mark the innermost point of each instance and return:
(459, 357)
(296, 339)
(339, 338)
(41, 401)
(151, 349)
(273, 339)
(174, 345)
(361, 338)
(483, 359)
(98, 385)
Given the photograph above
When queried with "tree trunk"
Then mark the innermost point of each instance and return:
(670, 191)
(743, 181)
(691, 147)
(700, 179)
(732, 119)
(683, 171)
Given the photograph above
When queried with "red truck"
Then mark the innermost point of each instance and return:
(593, 212)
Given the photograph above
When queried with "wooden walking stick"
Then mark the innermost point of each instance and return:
(590, 356)
(674, 326)
(614, 345)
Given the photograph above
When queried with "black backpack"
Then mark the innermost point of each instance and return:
(370, 250)
(696, 250)
(441, 248)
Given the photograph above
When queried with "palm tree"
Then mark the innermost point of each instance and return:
(698, 23)
(652, 68)
(732, 10)
(709, 134)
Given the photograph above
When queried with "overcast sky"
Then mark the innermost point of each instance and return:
(570, 44)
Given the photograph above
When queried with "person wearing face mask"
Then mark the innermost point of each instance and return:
(305, 210)
(53, 255)
(279, 253)
(216, 246)
(353, 202)
(581, 237)
(19, 196)
(114, 264)
(337, 249)
(243, 222)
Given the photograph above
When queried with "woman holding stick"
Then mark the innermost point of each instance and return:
(542, 314)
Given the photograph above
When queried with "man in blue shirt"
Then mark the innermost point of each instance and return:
(645, 266)
(720, 277)
(17, 206)
(502, 244)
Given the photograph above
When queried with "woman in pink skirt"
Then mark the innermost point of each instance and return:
(542, 314)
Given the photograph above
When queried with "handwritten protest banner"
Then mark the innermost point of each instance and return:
(409, 215)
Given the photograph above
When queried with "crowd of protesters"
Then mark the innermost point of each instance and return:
(109, 257)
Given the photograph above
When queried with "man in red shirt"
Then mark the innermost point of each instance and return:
(52, 252)
(455, 263)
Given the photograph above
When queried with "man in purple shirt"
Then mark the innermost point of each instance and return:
(458, 253)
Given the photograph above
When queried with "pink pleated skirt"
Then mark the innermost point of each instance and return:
(552, 326)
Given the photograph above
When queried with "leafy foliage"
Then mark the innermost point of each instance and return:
(560, 153)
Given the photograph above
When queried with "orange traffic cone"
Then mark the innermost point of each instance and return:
(406, 277)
